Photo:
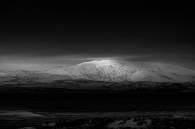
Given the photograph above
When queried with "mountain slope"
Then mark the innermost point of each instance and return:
(2, 74)
(113, 70)
(159, 77)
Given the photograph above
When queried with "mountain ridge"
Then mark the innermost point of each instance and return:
(115, 71)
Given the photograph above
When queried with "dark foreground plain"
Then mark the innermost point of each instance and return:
(46, 107)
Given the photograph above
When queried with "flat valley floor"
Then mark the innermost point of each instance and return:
(38, 108)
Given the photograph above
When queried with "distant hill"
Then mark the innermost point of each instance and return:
(112, 71)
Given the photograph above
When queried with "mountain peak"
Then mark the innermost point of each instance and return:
(98, 63)
(119, 70)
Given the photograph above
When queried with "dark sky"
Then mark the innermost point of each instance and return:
(42, 35)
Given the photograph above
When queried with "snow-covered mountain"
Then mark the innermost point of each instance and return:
(21, 73)
(114, 70)
(107, 75)
(111, 71)
(2, 74)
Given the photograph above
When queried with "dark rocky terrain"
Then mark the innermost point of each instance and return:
(49, 105)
